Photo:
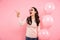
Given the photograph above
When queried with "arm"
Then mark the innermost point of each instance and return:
(21, 22)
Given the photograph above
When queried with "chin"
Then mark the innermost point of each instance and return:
(31, 15)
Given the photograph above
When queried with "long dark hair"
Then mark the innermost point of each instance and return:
(29, 19)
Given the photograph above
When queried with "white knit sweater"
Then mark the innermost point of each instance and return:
(31, 30)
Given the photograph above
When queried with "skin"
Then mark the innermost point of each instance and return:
(32, 15)
(18, 14)
(32, 11)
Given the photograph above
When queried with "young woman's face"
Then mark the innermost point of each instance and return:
(32, 12)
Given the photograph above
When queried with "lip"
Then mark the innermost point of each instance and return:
(30, 13)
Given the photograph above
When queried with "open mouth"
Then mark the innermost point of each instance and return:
(30, 13)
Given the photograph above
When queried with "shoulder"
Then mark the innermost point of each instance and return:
(28, 18)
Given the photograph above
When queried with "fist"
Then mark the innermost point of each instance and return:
(18, 13)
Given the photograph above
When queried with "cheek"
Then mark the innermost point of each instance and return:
(33, 13)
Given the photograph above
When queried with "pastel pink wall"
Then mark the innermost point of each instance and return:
(9, 27)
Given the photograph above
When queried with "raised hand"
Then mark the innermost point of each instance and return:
(18, 13)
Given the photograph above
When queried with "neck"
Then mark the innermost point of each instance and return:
(33, 17)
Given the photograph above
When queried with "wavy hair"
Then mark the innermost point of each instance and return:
(29, 19)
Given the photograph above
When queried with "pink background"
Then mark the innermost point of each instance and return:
(9, 27)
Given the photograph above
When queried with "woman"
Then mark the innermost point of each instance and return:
(33, 24)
